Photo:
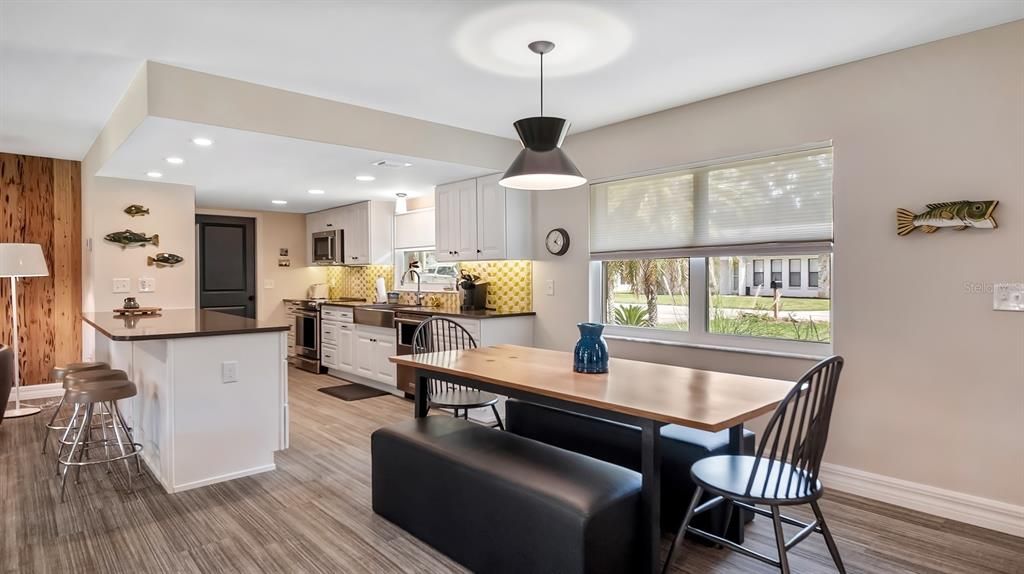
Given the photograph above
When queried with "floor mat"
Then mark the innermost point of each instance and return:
(352, 392)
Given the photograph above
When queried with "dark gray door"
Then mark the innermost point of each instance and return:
(227, 264)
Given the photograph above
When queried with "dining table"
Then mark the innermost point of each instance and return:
(643, 394)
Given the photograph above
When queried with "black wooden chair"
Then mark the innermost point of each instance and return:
(439, 334)
(784, 471)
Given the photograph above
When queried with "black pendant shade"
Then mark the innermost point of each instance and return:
(542, 164)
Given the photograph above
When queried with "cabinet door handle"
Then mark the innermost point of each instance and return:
(478, 251)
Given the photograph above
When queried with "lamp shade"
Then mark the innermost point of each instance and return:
(542, 164)
(22, 260)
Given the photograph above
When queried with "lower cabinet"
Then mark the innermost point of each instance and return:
(364, 351)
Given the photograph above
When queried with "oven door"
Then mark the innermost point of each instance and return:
(405, 327)
(307, 337)
(325, 247)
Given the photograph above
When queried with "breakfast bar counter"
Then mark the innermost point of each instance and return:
(212, 401)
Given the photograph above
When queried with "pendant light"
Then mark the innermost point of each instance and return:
(542, 164)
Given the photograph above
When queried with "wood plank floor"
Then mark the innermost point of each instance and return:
(313, 515)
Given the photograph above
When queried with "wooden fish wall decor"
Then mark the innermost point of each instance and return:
(164, 260)
(129, 237)
(956, 214)
(135, 210)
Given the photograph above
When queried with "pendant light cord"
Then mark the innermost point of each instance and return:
(542, 84)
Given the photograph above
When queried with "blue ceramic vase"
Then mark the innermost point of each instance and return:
(591, 354)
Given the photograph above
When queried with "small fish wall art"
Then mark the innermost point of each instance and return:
(164, 260)
(129, 237)
(956, 214)
(136, 210)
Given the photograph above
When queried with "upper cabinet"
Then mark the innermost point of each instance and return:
(477, 219)
(367, 230)
(414, 229)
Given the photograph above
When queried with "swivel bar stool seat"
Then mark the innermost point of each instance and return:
(86, 393)
(57, 375)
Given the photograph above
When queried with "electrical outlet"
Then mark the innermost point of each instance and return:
(268, 283)
(122, 285)
(147, 284)
(229, 372)
(549, 286)
(1008, 297)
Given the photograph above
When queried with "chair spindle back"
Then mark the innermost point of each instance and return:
(439, 334)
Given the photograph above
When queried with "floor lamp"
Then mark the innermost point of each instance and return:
(20, 260)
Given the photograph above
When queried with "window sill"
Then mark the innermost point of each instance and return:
(426, 289)
(725, 348)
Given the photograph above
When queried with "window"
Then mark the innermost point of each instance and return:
(681, 256)
(647, 293)
(756, 314)
(776, 274)
(434, 276)
(812, 272)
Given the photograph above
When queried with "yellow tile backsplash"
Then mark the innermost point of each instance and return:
(510, 286)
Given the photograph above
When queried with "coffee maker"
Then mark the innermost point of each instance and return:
(474, 292)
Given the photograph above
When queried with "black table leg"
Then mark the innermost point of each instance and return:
(738, 520)
(650, 495)
(420, 400)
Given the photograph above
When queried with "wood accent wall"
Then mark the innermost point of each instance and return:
(41, 202)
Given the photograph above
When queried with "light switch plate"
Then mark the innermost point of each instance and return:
(549, 286)
(229, 372)
(147, 284)
(268, 283)
(122, 285)
(1008, 297)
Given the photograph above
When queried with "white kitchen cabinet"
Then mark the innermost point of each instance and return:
(384, 348)
(364, 351)
(477, 219)
(415, 229)
(346, 348)
(328, 356)
(368, 229)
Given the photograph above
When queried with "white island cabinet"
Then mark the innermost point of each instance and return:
(212, 402)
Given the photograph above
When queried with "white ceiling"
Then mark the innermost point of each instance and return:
(247, 170)
(65, 64)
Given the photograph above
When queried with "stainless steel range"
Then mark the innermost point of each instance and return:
(306, 352)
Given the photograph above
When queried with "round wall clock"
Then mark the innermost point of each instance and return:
(557, 241)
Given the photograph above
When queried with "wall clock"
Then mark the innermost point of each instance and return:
(557, 241)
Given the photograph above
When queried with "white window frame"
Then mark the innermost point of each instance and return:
(411, 288)
(697, 335)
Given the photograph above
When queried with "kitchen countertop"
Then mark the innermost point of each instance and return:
(440, 311)
(176, 324)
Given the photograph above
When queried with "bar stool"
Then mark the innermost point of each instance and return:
(87, 392)
(57, 375)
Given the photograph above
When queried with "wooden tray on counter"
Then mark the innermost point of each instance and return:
(153, 311)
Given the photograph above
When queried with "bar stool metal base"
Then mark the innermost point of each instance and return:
(81, 424)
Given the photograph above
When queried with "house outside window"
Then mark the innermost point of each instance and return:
(680, 256)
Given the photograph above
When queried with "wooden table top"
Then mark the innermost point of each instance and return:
(705, 400)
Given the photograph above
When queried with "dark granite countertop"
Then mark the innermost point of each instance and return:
(176, 324)
(439, 311)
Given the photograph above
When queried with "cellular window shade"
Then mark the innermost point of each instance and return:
(642, 214)
(750, 207)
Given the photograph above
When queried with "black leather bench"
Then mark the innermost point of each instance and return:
(620, 444)
(496, 502)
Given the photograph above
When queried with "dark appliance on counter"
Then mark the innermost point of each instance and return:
(474, 292)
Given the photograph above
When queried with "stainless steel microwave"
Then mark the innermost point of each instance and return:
(329, 247)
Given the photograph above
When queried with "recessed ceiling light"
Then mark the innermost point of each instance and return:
(316, 191)
(400, 194)
(175, 160)
(365, 178)
(203, 142)
(391, 163)
(278, 201)
(154, 174)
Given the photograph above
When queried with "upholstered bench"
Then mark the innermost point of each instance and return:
(620, 444)
(496, 502)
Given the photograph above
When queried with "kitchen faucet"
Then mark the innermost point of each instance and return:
(419, 293)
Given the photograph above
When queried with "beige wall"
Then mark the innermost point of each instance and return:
(934, 387)
(171, 216)
(274, 231)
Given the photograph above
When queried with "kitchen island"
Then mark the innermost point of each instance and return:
(212, 402)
